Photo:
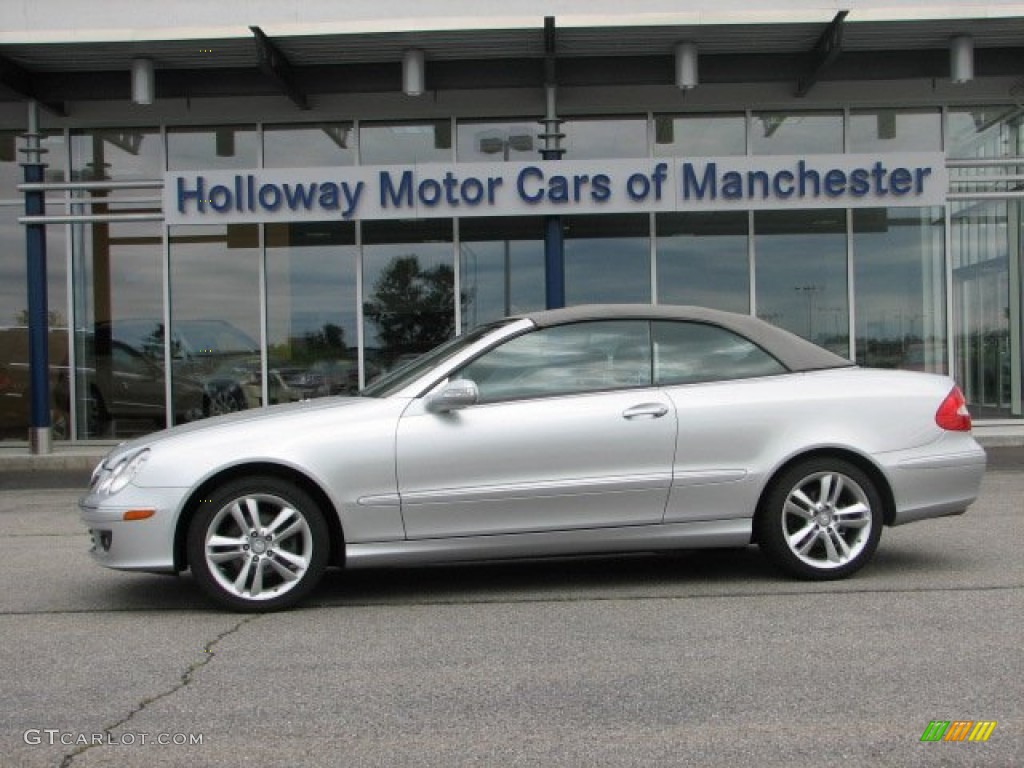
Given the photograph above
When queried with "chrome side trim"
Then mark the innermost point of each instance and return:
(944, 461)
(383, 500)
(708, 477)
(696, 535)
(574, 487)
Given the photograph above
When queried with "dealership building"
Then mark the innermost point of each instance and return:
(208, 207)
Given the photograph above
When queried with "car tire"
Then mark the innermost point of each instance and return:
(224, 400)
(821, 519)
(258, 544)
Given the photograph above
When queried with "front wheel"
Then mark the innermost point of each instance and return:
(258, 545)
(822, 519)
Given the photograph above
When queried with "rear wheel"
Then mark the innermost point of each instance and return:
(822, 519)
(258, 545)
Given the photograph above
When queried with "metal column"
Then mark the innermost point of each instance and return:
(40, 435)
(554, 244)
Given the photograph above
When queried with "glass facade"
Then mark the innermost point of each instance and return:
(801, 274)
(408, 291)
(164, 325)
(900, 301)
(312, 310)
(607, 259)
(14, 358)
(501, 264)
(215, 336)
(704, 259)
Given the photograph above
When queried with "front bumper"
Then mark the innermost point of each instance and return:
(135, 545)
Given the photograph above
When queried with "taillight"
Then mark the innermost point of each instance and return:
(953, 414)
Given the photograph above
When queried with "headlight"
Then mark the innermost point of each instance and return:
(114, 479)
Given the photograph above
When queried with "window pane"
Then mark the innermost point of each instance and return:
(985, 339)
(405, 143)
(492, 141)
(597, 139)
(689, 353)
(312, 328)
(215, 316)
(901, 305)
(796, 133)
(119, 154)
(502, 263)
(986, 253)
(984, 131)
(308, 146)
(585, 357)
(14, 371)
(12, 173)
(700, 135)
(703, 260)
(801, 274)
(895, 130)
(208, 149)
(119, 308)
(408, 290)
(607, 259)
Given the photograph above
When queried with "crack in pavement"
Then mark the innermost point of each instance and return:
(186, 678)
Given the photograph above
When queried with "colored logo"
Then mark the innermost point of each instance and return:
(958, 730)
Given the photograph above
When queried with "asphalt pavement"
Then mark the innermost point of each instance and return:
(682, 659)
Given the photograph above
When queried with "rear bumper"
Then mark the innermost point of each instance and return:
(937, 480)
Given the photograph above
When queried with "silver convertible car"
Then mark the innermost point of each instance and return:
(596, 429)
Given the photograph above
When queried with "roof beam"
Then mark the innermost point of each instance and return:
(825, 52)
(275, 65)
(18, 80)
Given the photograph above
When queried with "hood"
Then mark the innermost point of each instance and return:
(253, 417)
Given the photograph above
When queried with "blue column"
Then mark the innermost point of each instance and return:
(38, 321)
(554, 242)
(554, 262)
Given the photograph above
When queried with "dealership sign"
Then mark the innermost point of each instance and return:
(552, 188)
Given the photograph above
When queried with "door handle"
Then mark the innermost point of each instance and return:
(645, 411)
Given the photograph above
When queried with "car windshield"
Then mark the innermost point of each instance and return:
(395, 380)
(214, 337)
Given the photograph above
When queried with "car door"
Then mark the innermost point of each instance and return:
(723, 387)
(138, 386)
(567, 433)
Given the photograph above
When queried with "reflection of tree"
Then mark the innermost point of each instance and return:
(53, 318)
(327, 342)
(413, 308)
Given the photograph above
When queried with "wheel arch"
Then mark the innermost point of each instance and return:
(860, 461)
(336, 555)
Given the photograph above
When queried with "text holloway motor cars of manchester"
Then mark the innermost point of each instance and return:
(595, 429)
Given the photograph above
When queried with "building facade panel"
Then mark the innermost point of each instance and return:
(154, 322)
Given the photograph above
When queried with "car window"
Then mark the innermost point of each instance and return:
(689, 353)
(565, 359)
(126, 360)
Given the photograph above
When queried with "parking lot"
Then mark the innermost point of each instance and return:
(686, 659)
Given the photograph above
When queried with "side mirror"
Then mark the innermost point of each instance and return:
(453, 396)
